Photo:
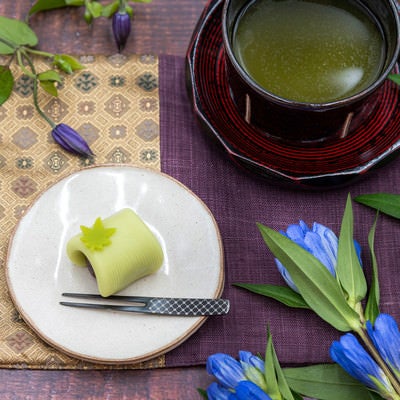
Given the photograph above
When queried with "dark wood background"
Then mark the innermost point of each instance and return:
(160, 27)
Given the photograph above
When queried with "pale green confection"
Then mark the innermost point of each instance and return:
(133, 253)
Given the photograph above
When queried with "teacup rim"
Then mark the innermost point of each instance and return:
(311, 105)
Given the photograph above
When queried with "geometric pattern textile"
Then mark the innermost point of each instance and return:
(114, 104)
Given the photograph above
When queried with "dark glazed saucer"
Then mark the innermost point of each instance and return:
(327, 165)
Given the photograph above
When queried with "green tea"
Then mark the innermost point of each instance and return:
(309, 51)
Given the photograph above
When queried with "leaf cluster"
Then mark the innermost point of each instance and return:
(93, 8)
(389, 204)
(337, 300)
(18, 40)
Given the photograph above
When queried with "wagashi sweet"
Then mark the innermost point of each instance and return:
(120, 249)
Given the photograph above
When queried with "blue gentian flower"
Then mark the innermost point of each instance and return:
(121, 26)
(248, 358)
(320, 241)
(385, 335)
(70, 140)
(355, 360)
(241, 380)
(226, 369)
(254, 368)
(247, 390)
(216, 391)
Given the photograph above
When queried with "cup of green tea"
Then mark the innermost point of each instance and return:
(308, 71)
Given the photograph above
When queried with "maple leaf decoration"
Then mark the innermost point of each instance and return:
(98, 236)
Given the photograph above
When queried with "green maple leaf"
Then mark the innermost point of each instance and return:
(98, 236)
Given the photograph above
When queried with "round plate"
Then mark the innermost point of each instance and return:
(325, 165)
(38, 269)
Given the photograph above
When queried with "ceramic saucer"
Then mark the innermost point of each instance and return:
(38, 269)
(323, 165)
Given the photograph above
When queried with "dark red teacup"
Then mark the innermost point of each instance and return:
(303, 122)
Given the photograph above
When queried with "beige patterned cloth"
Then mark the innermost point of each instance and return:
(113, 103)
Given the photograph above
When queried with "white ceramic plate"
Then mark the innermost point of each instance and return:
(38, 269)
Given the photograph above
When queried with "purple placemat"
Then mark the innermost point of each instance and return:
(238, 200)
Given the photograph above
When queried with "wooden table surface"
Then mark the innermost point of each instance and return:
(160, 27)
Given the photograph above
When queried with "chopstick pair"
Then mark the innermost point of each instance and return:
(154, 305)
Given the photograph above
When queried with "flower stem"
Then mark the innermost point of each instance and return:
(35, 93)
(122, 6)
(20, 56)
(40, 53)
(375, 354)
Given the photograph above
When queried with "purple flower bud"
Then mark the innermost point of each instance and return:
(70, 140)
(121, 26)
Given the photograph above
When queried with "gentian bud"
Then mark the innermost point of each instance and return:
(121, 26)
(253, 368)
(354, 359)
(320, 241)
(385, 335)
(246, 357)
(226, 369)
(237, 380)
(70, 140)
(247, 390)
(217, 392)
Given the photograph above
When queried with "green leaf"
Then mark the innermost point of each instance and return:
(50, 75)
(283, 294)
(75, 3)
(374, 396)
(129, 10)
(372, 306)
(319, 289)
(395, 78)
(17, 33)
(348, 268)
(110, 9)
(45, 5)
(270, 374)
(6, 84)
(49, 87)
(297, 396)
(203, 393)
(67, 63)
(95, 9)
(385, 202)
(8, 48)
(284, 388)
(325, 382)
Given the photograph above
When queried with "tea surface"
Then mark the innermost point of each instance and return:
(309, 51)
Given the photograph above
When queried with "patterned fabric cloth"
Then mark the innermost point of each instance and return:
(114, 105)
